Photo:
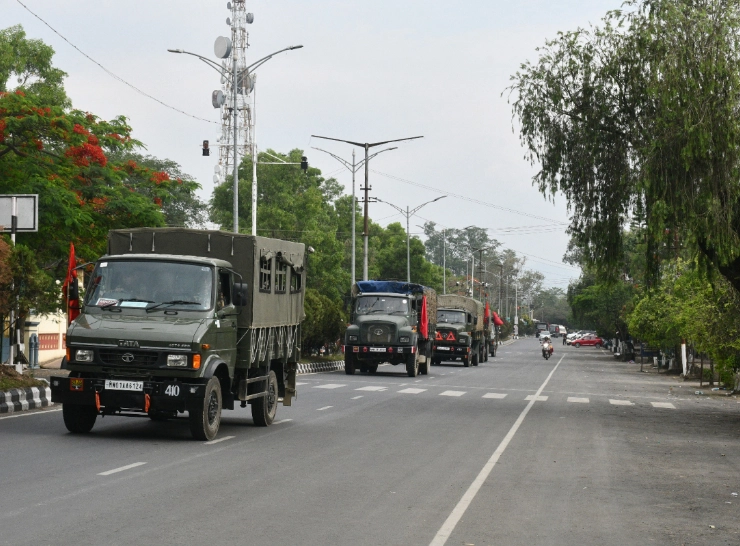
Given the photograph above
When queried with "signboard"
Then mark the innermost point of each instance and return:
(27, 211)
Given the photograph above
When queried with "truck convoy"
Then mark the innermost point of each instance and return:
(461, 331)
(179, 320)
(390, 321)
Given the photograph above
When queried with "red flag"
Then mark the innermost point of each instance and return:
(497, 320)
(424, 326)
(70, 290)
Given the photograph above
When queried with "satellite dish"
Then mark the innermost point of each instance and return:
(228, 5)
(222, 47)
(250, 18)
(218, 99)
(228, 21)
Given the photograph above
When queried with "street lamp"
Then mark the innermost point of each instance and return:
(222, 49)
(353, 168)
(367, 146)
(408, 214)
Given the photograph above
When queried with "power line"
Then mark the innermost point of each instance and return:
(111, 73)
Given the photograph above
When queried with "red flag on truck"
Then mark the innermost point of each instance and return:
(424, 326)
(497, 320)
(70, 289)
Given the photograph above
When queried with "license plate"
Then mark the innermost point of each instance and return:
(443, 348)
(377, 349)
(118, 385)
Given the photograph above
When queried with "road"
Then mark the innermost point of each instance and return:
(579, 449)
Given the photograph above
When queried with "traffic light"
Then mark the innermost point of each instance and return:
(206, 151)
(304, 163)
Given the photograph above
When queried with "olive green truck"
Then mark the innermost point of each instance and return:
(180, 320)
(461, 331)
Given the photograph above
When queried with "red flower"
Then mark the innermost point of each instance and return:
(159, 177)
(158, 201)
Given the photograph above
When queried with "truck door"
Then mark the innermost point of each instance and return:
(226, 317)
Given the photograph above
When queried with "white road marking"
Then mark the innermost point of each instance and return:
(27, 413)
(578, 400)
(300, 383)
(497, 395)
(621, 402)
(218, 440)
(452, 393)
(356, 397)
(451, 522)
(325, 407)
(120, 469)
(329, 386)
(372, 388)
(281, 421)
(536, 398)
(411, 391)
(666, 405)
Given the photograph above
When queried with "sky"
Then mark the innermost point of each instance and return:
(367, 72)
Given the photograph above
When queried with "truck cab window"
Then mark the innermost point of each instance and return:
(265, 274)
(281, 274)
(224, 290)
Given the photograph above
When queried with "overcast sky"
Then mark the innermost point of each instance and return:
(368, 71)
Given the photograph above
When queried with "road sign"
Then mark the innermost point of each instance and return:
(26, 211)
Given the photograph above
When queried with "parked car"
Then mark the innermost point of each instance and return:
(588, 340)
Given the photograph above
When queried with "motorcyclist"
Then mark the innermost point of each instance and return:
(546, 345)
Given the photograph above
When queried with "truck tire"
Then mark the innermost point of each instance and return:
(372, 369)
(436, 361)
(424, 368)
(466, 361)
(265, 408)
(79, 419)
(485, 353)
(206, 418)
(349, 364)
(493, 349)
(475, 357)
(412, 365)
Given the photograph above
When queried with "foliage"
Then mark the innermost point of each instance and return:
(324, 321)
(637, 118)
(22, 283)
(600, 306)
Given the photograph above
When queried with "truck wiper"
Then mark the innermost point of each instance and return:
(173, 302)
(118, 302)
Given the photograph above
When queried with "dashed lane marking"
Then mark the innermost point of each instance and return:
(411, 391)
(216, 441)
(666, 405)
(281, 421)
(356, 397)
(372, 388)
(536, 398)
(452, 393)
(578, 400)
(299, 383)
(329, 386)
(621, 402)
(497, 395)
(324, 408)
(120, 469)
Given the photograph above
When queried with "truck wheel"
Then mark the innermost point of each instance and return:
(485, 353)
(79, 419)
(265, 408)
(424, 368)
(466, 361)
(372, 369)
(436, 362)
(349, 364)
(493, 349)
(476, 357)
(412, 365)
(205, 420)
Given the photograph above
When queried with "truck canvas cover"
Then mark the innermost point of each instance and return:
(453, 301)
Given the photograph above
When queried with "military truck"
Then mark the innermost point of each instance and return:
(390, 321)
(460, 331)
(178, 320)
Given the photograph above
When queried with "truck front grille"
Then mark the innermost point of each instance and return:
(118, 357)
(378, 333)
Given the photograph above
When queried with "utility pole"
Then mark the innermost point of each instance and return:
(366, 146)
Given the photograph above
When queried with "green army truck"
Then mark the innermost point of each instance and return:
(461, 332)
(390, 321)
(181, 320)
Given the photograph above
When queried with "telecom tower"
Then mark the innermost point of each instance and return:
(245, 84)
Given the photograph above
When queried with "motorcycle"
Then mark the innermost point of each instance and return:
(547, 350)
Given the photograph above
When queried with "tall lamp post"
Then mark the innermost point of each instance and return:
(367, 146)
(238, 79)
(408, 214)
(353, 168)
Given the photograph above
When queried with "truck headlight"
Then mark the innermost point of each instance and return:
(84, 355)
(404, 339)
(177, 360)
(353, 338)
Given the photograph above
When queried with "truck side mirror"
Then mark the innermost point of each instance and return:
(240, 294)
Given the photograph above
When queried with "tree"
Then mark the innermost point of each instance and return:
(637, 120)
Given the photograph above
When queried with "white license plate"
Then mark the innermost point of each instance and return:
(118, 385)
(377, 349)
(444, 349)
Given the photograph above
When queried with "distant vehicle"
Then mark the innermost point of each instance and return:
(588, 340)
(556, 330)
(541, 327)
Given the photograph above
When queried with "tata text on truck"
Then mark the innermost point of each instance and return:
(178, 320)
(393, 322)
(461, 331)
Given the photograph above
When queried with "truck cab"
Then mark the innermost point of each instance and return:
(453, 339)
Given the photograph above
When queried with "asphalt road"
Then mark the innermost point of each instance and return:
(579, 449)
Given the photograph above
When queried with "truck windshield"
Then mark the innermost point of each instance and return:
(142, 284)
(368, 305)
(450, 316)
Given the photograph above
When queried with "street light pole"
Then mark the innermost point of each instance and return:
(366, 146)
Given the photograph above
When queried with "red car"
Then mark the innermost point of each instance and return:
(589, 339)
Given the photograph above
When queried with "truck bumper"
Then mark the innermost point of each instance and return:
(370, 350)
(441, 351)
(154, 396)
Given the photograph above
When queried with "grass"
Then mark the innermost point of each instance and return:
(10, 379)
